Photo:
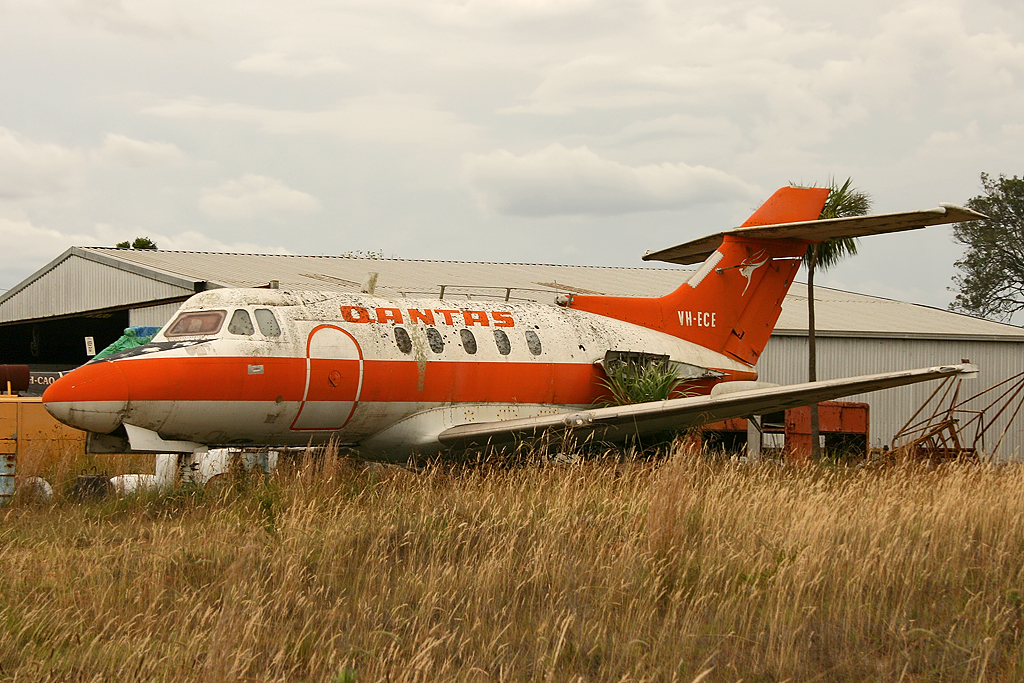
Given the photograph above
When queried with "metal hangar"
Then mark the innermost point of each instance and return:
(98, 291)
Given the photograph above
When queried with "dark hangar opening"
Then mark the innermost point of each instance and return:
(59, 343)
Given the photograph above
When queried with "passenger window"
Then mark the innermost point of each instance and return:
(501, 340)
(196, 323)
(403, 340)
(533, 342)
(267, 322)
(468, 341)
(241, 323)
(435, 340)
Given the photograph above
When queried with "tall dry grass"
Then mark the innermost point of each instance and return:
(60, 464)
(614, 570)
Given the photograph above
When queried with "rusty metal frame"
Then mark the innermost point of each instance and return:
(952, 430)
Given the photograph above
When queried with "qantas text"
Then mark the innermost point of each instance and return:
(428, 316)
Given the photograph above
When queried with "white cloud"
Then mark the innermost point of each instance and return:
(511, 9)
(786, 80)
(679, 126)
(146, 20)
(31, 169)
(283, 64)
(910, 97)
(28, 247)
(560, 181)
(604, 82)
(126, 151)
(698, 58)
(252, 195)
(389, 119)
(26, 243)
(187, 240)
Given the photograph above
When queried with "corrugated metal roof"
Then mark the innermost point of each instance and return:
(846, 314)
(403, 276)
(838, 313)
(77, 282)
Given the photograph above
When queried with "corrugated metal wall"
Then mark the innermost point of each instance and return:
(77, 285)
(152, 316)
(785, 362)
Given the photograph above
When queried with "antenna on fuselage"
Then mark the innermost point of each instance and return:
(369, 284)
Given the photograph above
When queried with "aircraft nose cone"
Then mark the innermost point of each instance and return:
(93, 398)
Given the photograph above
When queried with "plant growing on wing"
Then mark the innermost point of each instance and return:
(639, 382)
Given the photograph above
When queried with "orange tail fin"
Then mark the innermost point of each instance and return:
(731, 304)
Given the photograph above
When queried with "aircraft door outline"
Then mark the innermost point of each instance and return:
(331, 353)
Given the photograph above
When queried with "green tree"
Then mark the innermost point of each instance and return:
(843, 201)
(991, 279)
(139, 243)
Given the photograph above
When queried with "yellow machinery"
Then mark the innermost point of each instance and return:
(26, 427)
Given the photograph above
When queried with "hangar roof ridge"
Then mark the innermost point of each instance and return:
(373, 259)
(13, 291)
(839, 312)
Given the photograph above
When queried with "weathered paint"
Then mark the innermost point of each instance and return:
(387, 373)
(337, 371)
(734, 306)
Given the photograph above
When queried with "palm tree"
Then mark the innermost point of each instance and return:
(843, 201)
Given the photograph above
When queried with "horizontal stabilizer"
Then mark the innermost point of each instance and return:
(617, 422)
(818, 231)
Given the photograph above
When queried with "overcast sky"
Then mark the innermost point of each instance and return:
(572, 131)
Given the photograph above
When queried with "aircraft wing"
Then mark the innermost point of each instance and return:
(817, 231)
(616, 422)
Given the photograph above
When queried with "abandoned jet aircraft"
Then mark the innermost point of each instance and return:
(395, 377)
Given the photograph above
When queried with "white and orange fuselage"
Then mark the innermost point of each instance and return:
(259, 366)
(361, 370)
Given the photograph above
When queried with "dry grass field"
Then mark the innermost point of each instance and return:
(678, 569)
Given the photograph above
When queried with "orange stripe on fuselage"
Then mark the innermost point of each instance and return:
(228, 379)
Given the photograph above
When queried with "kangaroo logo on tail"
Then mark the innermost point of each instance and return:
(739, 323)
(748, 266)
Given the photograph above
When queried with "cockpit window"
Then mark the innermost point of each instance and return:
(267, 322)
(196, 323)
(241, 323)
